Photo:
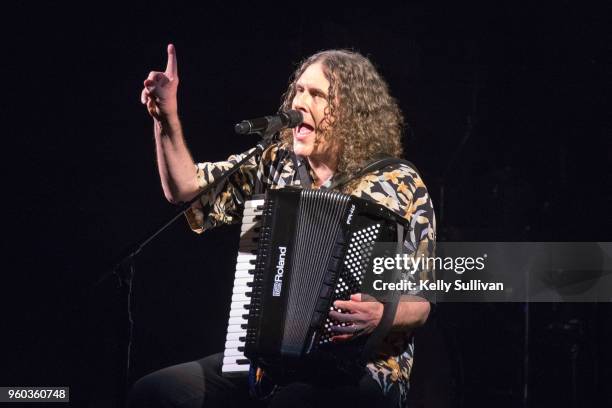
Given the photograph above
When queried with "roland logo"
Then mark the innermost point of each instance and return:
(350, 216)
(280, 270)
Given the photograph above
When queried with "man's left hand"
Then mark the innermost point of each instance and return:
(361, 315)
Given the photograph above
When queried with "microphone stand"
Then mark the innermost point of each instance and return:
(124, 265)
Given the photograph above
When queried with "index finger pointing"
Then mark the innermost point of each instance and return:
(171, 66)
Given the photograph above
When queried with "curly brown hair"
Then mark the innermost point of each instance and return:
(361, 115)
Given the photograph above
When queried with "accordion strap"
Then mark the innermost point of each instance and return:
(371, 166)
(389, 311)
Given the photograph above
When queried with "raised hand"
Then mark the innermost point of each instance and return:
(160, 88)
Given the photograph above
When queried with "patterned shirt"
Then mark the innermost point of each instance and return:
(398, 187)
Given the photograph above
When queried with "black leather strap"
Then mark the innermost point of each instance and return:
(302, 172)
(372, 166)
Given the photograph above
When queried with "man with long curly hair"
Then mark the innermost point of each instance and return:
(349, 118)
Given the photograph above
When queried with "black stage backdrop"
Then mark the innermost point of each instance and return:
(508, 115)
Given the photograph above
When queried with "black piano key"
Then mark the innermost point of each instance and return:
(244, 326)
(243, 361)
(242, 338)
(241, 349)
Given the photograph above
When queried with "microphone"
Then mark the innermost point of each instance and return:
(270, 124)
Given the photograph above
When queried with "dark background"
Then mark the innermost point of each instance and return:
(509, 123)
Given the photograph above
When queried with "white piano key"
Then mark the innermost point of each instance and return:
(245, 266)
(239, 306)
(236, 328)
(233, 353)
(247, 259)
(239, 297)
(237, 320)
(242, 281)
(251, 218)
(243, 284)
(241, 289)
(251, 211)
(243, 274)
(234, 344)
(238, 312)
(233, 336)
(253, 203)
(230, 370)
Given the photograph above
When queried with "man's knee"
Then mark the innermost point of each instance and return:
(177, 386)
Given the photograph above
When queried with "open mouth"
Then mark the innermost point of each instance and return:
(304, 129)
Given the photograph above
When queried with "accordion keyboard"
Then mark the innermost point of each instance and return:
(234, 361)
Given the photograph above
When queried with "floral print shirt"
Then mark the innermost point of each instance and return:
(398, 187)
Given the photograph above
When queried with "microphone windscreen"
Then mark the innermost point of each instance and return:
(295, 118)
(242, 128)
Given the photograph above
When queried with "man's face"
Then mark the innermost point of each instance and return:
(310, 99)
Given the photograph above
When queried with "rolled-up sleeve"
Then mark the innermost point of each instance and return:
(401, 189)
(225, 202)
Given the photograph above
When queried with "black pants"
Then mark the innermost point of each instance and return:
(200, 384)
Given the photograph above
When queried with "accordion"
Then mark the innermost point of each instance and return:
(300, 251)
